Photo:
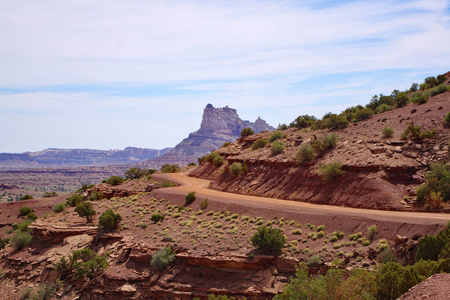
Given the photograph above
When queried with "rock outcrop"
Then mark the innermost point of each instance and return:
(219, 125)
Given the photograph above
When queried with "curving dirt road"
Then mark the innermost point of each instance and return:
(200, 186)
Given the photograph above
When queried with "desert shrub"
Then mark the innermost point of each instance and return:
(247, 132)
(277, 147)
(438, 179)
(330, 172)
(26, 197)
(434, 201)
(275, 136)
(218, 161)
(22, 226)
(414, 87)
(282, 127)
(387, 132)
(96, 195)
(447, 119)
(438, 90)
(82, 263)
(401, 99)
(155, 218)
(244, 168)
(359, 284)
(226, 144)
(235, 169)
(363, 114)
(84, 187)
(441, 79)
(190, 198)
(163, 258)
(329, 140)
(21, 239)
(25, 210)
(50, 194)
(303, 121)
(166, 184)
(419, 98)
(333, 121)
(324, 144)
(84, 209)
(168, 168)
(383, 108)
(109, 220)
(259, 143)
(393, 280)
(4, 242)
(31, 217)
(423, 86)
(137, 173)
(204, 204)
(416, 133)
(430, 247)
(422, 192)
(211, 156)
(314, 261)
(268, 239)
(305, 153)
(431, 81)
(74, 200)
(371, 231)
(115, 180)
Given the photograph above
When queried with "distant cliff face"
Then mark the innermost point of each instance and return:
(219, 125)
(77, 157)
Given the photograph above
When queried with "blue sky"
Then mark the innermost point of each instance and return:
(111, 74)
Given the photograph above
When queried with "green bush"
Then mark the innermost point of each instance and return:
(109, 220)
(84, 209)
(26, 197)
(96, 195)
(419, 98)
(259, 143)
(303, 121)
(332, 121)
(4, 242)
(414, 87)
(31, 217)
(59, 207)
(21, 239)
(166, 184)
(383, 108)
(277, 147)
(74, 200)
(267, 239)
(282, 127)
(423, 86)
(275, 136)
(387, 132)
(50, 194)
(401, 99)
(438, 179)
(235, 169)
(447, 119)
(204, 204)
(416, 133)
(226, 144)
(115, 180)
(22, 226)
(330, 172)
(163, 258)
(363, 114)
(82, 263)
(359, 284)
(305, 153)
(25, 210)
(190, 198)
(430, 247)
(438, 90)
(137, 173)
(372, 231)
(168, 168)
(247, 132)
(423, 191)
(218, 161)
(155, 218)
(314, 261)
(211, 156)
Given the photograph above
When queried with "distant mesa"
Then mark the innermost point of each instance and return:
(52, 158)
(219, 125)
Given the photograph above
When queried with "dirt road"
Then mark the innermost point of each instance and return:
(200, 186)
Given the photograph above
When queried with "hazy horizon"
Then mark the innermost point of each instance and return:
(113, 74)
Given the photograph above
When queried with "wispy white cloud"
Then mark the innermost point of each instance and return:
(305, 55)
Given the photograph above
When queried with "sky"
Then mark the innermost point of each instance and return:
(108, 74)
